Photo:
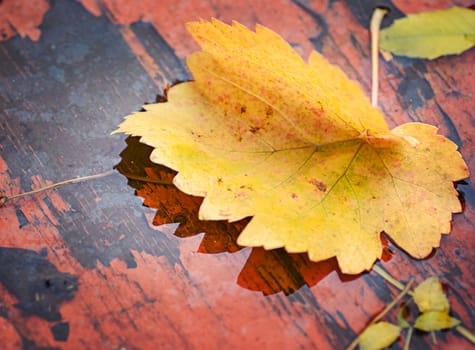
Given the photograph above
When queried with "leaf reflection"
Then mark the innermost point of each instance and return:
(266, 271)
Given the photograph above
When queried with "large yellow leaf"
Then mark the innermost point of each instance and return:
(431, 34)
(298, 147)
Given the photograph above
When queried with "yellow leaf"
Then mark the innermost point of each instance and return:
(435, 320)
(429, 296)
(431, 34)
(298, 147)
(378, 336)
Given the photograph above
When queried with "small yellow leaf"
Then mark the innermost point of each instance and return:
(435, 320)
(378, 336)
(431, 34)
(429, 296)
(298, 147)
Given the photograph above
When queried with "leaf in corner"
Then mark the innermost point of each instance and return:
(431, 34)
(434, 307)
(298, 147)
(378, 336)
(429, 296)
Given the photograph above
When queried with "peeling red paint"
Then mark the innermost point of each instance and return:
(158, 304)
(8, 331)
(144, 58)
(22, 17)
(130, 305)
(168, 17)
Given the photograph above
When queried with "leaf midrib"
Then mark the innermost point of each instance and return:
(286, 117)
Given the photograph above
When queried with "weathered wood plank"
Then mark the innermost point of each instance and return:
(88, 266)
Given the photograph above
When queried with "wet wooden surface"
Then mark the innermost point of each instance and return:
(102, 264)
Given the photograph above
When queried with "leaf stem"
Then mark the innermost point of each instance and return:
(407, 341)
(380, 271)
(383, 313)
(374, 26)
(466, 333)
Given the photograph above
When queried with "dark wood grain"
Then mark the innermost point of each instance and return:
(102, 265)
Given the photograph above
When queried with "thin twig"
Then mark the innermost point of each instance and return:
(374, 26)
(394, 302)
(383, 313)
(4, 199)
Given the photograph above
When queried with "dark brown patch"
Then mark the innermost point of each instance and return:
(269, 111)
(318, 184)
(387, 253)
(254, 129)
